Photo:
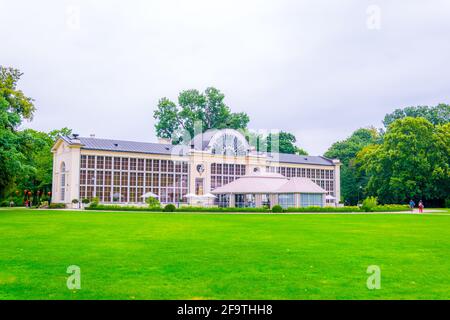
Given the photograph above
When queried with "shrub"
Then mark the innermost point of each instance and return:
(56, 205)
(75, 201)
(369, 204)
(95, 201)
(170, 208)
(391, 208)
(85, 201)
(325, 209)
(44, 204)
(115, 207)
(153, 202)
(277, 208)
(4, 203)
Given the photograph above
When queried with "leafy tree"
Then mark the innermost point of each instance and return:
(353, 182)
(208, 108)
(284, 142)
(439, 114)
(412, 162)
(14, 108)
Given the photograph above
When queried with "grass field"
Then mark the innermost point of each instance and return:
(222, 256)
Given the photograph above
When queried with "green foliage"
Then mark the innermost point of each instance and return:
(169, 208)
(153, 202)
(220, 209)
(208, 108)
(95, 201)
(115, 207)
(391, 208)
(277, 208)
(85, 201)
(352, 180)
(439, 114)
(411, 162)
(324, 209)
(56, 205)
(75, 201)
(369, 204)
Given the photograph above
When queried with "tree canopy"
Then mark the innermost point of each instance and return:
(352, 181)
(177, 122)
(439, 114)
(412, 162)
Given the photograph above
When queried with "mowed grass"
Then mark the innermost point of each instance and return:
(222, 256)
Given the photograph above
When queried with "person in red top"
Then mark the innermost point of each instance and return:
(421, 206)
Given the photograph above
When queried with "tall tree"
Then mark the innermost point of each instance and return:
(14, 108)
(439, 114)
(352, 181)
(283, 142)
(412, 162)
(178, 121)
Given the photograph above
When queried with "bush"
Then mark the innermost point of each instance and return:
(153, 202)
(369, 204)
(95, 201)
(447, 203)
(44, 204)
(4, 203)
(391, 208)
(75, 201)
(325, 209)
(85, 201)
(56, 205)
(115, 207)
(170, 208)
(277, 208)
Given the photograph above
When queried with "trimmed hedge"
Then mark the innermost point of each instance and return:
(56, 205)
(379, 208)
(324, 209)
(113, 207)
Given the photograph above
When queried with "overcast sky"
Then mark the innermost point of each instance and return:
(319, 69)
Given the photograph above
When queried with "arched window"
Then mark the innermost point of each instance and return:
(229, 142)
(63, 182)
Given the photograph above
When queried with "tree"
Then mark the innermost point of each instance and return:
(439, 114)
(14, 107)
(208, 108)
(284, 142)
(353, 182)
(411, 162)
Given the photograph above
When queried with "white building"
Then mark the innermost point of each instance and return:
(122, 171)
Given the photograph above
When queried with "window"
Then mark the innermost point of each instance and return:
(199, 186)
(286, 200)
(63, 182)
(311, 199)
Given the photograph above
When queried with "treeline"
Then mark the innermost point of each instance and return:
(25, 155)
(407, 159)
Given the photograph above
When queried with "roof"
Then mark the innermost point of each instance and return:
(269, 183)
(295, 158)
(129, 146)
(300, 185)
(167, 149)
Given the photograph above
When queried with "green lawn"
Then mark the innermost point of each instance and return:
(222, 256)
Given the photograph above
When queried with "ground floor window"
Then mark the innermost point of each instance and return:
(311, 199)
(245, 200)
(222, 200)
(286, 200)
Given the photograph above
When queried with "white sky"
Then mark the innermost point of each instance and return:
(313, 68)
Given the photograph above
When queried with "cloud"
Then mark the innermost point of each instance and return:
(310, 67)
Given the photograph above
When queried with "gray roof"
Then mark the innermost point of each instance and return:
(129, 146)
(295, 158)
(159, 148)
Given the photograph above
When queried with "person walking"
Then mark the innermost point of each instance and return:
(411, 205)
(421, 206)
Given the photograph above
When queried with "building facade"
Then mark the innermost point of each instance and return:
(118, 171)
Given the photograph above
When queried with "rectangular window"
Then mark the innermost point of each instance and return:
(140, 164)
(117, 178)
(90, 177)
(163, 165)
(99, 176)
(133, 164)
(91, 162)
(199, 186)
(148, 165)
(286, 200)
(140, 179)
(83, 163)
(107, 178)
(155, 165)
(116, 163)
(108, 163)
(124, 165)
(124, 179)
(107, 194)
(82, 177)
(100, 162)
(311, 199)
